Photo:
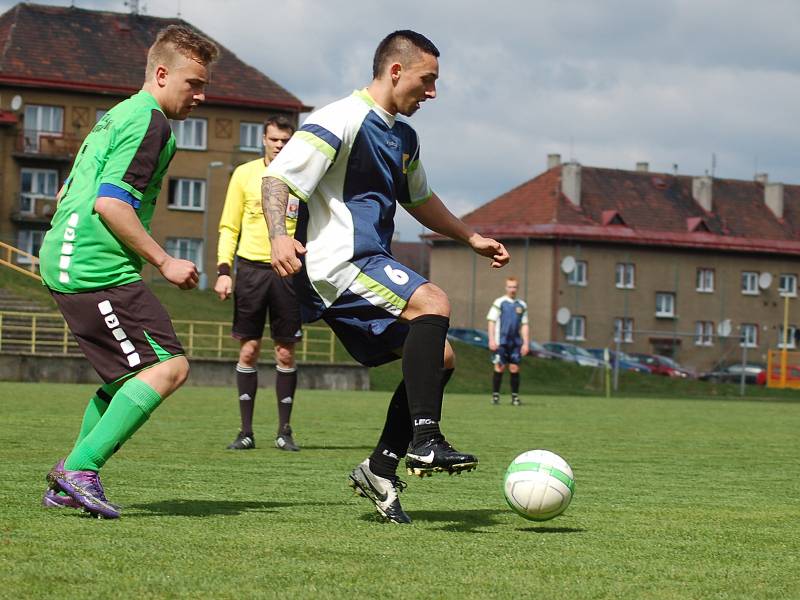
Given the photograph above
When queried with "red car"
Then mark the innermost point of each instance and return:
(661, 365)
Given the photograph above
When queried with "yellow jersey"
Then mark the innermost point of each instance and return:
(242, 228)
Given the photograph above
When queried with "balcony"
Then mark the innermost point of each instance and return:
(47, 145)
(33, 208)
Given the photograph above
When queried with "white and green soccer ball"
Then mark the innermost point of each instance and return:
(539, 485)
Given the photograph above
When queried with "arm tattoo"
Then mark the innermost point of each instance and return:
(274, 198)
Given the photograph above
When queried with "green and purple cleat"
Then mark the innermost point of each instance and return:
(83, 487)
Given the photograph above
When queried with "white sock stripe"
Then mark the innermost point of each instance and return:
(280, 369)
(244, 369)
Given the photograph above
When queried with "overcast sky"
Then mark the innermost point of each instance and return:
(605, 82)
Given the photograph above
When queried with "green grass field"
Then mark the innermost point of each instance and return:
(674, 499)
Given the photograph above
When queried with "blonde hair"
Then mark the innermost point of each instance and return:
(512, 278)
(178, 39)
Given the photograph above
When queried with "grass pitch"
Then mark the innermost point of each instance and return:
(674, 499)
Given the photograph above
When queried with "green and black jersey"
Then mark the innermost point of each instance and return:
(125, 156)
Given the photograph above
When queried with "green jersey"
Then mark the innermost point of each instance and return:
(125, 157)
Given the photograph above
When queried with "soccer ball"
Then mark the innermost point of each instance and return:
(539, 485)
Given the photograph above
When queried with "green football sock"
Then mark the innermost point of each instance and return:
(131, 407)
(96, 408)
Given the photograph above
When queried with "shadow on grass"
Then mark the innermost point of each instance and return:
(462, 521)
(204, 508)
(550, 529)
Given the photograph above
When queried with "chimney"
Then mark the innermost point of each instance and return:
(762, 178)
(701, 191)
(773, 198)
(553, 160)
(571, 182)
(642, 167)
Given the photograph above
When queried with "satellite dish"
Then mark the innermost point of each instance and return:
(16, 102)
(563, 315)
(765, 280)
(568, 264)
(724, 328)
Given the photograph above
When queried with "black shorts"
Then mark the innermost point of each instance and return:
(258, 291)
(121, 330)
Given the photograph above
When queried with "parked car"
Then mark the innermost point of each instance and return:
(792, 375)
(539, 351)
(575, 354)
(662, 365)
(474, 337)
(754, 373)
(626, 363)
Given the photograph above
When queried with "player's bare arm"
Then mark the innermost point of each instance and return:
(121, 218)
(526, 340)
(285, 249)
(436, 217)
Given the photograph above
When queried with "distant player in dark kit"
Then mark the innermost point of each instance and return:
(508, 338)
(91, 260)
(351, 163)
(258, 290)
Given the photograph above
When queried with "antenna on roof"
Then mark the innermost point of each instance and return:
(713, 163)
(179, 9)
(571, 149)
(136, 6)
(674, 168)
(755, 166)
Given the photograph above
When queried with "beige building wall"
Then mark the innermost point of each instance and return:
(600, 301)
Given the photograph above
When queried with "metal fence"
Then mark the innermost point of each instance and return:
(47, 333)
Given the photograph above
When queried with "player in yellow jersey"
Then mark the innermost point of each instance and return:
(258, 290)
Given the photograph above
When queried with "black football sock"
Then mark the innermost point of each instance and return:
(497, 378)
(247, 383)
(395, 437)
(515, 383)
(285, 385)
(423, 359)
(446, 375)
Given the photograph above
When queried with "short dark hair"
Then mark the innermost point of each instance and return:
(178, 39)
(279, 121)
(400, 44)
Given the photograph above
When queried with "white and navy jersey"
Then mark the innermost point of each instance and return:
(350, 163)
(508, 315)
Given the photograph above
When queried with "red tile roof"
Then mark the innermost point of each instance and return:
(54, 47)
(655, 209)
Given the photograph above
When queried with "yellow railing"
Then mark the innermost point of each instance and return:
(9, 256)
(47, 333)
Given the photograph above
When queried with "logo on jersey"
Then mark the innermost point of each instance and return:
(405, 163)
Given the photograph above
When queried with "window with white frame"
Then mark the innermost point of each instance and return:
(36, 184)
(44, 119)
(787, 284)
(187, 194)
(749, 335)
(750, 283)
(704, 333)
(623, 330)
(791, 340)
(576, 328)
(578, 274)
(250, 137)
(626, 275)
(665, 304)
(705, 280)
(190, 134)
(29, 240)
(187, 249)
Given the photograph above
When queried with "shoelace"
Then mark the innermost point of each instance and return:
(398, 483)
(93, 486)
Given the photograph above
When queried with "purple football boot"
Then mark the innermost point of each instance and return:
(53, 499)
(85, 488)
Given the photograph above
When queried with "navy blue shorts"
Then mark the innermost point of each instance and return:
(507, 355)
(365, 316)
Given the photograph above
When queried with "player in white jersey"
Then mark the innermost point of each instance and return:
(351, 163)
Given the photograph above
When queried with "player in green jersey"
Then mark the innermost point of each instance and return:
(92, 256)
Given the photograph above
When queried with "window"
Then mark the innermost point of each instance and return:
(665, 304)
(29, 240)
(578, 274)
(791, 337)
(705, 280)
(623, 330)
(704, 333)
(187, 249)
(576, 328)
(190, 134)
(41, 121)
(626, 275)
(750, 283)
(749, 335)
(36, 184)
(187, 194)
(787, 285)
(250, 137)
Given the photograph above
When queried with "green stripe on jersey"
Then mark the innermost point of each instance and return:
(318, 143)
(552, 471)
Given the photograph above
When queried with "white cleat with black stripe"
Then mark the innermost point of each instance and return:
(381, 491)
